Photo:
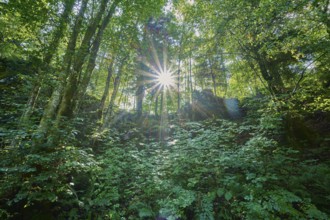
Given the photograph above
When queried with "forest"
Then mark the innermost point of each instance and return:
(164, 109)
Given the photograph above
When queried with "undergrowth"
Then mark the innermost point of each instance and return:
(213, 169)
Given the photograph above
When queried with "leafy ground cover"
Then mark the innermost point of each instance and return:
(212, 169)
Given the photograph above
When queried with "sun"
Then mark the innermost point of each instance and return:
(160, 73)
(165, 78)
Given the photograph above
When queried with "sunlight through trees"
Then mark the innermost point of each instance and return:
(164, 109)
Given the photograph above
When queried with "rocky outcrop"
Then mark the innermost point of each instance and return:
(206, 105)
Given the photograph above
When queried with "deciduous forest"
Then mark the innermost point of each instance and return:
(164, 109)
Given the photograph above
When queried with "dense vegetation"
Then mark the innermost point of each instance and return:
(182, 109)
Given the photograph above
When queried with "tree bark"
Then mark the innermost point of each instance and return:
(178, 84)
(116, 84)
(55, 98)
(106, 89)
(122, 92)
(50, 51)
(190, 80)
(67, 103)
(140, 95)
(58, 34)
(94, 50)
(179, 76)
(269, 74)
(156, 106)
(223, 71)
(213, 79)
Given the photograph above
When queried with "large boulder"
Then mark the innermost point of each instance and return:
(206, 105)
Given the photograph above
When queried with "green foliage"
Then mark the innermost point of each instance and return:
(31, 180)
(271, 164)
(215, 169)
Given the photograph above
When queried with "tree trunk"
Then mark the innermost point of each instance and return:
(55, 98)
(273, 80)
(179, 76)
(161, 108)
(31, 103)
(58, 35)
(266, 74)
(94, 50)
(163, 118)
(50, 110)
(140, 95)
(186, 84)
(122, 91)
(190, 80)
(106, 89)
(213, 79)
(116, 84)
(67, 103)
(73, 40)
(156, 106)
(178, 85)
(101, 64)
(223, 70)
(50, 51)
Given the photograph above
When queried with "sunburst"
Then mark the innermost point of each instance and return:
(160, 73)
(165, 78)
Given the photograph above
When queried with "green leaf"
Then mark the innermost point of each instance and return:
(145, 212)
(220, 192)
(228, 196)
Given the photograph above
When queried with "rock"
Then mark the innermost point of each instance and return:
(206, 105)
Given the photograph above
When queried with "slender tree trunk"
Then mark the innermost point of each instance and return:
(140, 95)
(31, 103)
(213, 79)
(178, 84)
(126, 100)
(190, 79)
(161, 108)
(186, 83)
(109, 112)
(124, 94)
(223, 71)
(156, 106)
(179, 75)
(106, 88)
(163, 118)
(122, 91)
(269, 72)
(96, 81)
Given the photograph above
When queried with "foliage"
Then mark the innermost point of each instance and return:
(206, 170)
(61, 178)
(85, 134)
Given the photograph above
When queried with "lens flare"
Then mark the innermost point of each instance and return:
(165, 78)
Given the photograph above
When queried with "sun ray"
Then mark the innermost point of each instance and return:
(160, 77)
(155, 56)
